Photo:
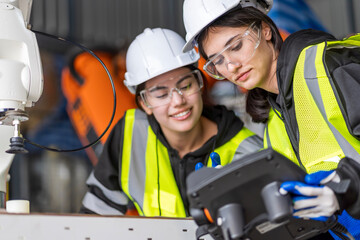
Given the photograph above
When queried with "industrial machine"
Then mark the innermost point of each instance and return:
(91, 227)
(21, 80)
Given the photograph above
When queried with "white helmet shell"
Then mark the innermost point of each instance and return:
(198, 14)
(154, 52)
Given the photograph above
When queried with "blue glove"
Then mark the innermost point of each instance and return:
(198, 166)
(312, 199)
(215, 159)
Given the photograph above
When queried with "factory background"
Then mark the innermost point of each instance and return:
(55, 182)
(114, 22)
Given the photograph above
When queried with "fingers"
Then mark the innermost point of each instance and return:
(300, 188)
(198, 166)
(313, 212)
(310, 199)
(290, 186)
(323, 203)
(215, 158)
(319, 177)
(314, 217)
(319, 208)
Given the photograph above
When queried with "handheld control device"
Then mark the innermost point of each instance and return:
(242, 201)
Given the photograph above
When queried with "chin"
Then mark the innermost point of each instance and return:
(185, 127)
(249, 85)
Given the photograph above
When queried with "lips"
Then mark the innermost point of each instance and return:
(243, 76)
(181, 114)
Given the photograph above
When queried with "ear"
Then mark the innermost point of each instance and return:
(266, 31)
(144, 107)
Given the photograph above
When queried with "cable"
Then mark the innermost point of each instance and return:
(340, 230)
(206, 160)
(114, 95)
(158, 175)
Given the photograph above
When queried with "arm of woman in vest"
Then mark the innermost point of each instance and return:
(104, 195)
(344, 67)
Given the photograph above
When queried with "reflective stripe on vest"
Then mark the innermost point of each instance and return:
(324, 138)
(144, 155)
(244, 142)
(275, 137)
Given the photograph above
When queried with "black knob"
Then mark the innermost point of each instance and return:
(17, 145)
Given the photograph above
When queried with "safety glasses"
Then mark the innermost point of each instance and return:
(161, 94)
(242, 48)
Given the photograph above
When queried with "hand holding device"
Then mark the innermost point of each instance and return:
(312, 199)
(242, 200)
(215, 161)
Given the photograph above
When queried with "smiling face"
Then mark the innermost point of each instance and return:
(182, 113)
(248, 72)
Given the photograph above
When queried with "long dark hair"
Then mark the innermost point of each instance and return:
(205, 96)
(257, 104)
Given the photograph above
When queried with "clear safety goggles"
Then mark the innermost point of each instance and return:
(161, 94)
(241, 48)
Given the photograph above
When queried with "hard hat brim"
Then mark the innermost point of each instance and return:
(189, 44)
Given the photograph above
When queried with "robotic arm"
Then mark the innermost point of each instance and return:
(20, 65)
(20, 77)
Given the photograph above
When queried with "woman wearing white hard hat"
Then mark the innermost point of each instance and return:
(152, 150)
(303, 88)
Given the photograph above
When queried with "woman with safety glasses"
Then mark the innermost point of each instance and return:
(305, 89)
(152, 150)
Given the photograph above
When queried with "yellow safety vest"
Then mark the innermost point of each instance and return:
(146, 174)
(324, 138)
(275, 137)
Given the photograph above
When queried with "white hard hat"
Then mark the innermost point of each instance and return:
(198, 14)
(154, 52)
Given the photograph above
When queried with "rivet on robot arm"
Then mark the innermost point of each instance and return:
(20, 77)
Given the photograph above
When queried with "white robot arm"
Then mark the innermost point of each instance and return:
(20, 77)
(20, 64)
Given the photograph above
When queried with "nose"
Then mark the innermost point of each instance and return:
(231, 61)
(232, 66)
(177, 96)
